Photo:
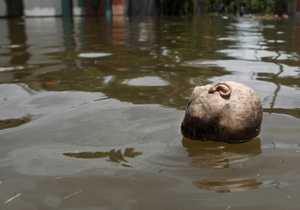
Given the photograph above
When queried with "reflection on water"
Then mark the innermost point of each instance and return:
(267, 66)
(56, 85)
(112, 155)
(96, 85)
(10, 123)
(93, 55)
(220, 155)
(89, 50)
(227, 185)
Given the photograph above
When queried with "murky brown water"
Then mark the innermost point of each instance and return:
(91, 111)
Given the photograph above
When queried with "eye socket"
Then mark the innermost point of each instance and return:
(223, 88)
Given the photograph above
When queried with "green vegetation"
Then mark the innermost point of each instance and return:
(190, 7)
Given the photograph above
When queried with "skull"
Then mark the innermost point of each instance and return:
(227, 111)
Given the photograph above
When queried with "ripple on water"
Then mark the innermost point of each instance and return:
(11, 68)
(146, 81)
(94, 55)
(11, 46)
(227, 185)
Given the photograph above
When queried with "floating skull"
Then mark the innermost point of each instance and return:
(227, 111)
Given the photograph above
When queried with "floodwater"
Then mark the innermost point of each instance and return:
(91, 111)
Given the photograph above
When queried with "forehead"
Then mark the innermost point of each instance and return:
(201, 94)
(202, 89)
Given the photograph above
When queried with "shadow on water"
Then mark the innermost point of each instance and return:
(115, 156)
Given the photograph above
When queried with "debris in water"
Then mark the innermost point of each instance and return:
(75, 193)
(274, 145)
(56, 178)
(9, 200)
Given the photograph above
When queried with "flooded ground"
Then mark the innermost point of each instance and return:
(91, 111)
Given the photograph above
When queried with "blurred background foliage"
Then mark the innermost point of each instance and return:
(191, 7)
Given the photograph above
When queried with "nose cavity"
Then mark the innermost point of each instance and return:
(223, 88)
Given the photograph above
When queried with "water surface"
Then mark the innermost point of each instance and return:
(91, 111)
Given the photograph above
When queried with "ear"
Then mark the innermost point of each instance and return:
(223, 88)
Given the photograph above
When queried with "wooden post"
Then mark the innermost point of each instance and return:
(67, 8)
(108, 8)
(102, 7)
(90, 9)
(81, 3)
(118, 7)
(3, 9)
(14, 8)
